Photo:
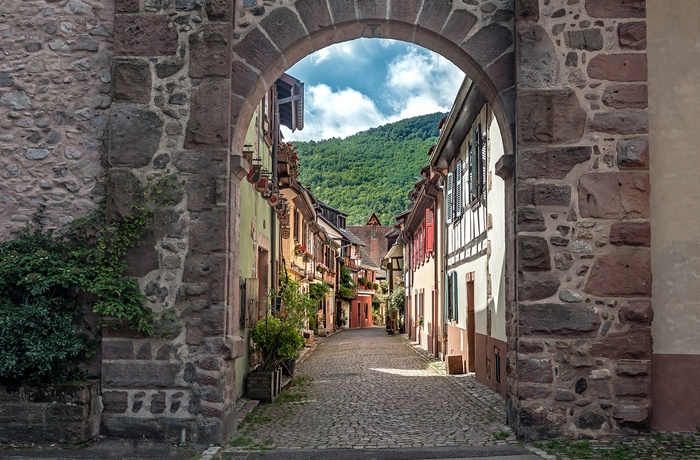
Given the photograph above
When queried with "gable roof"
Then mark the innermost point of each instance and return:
(374, 221)
(367, 261)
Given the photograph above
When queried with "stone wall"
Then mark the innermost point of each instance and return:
(582, 362)
(170, 114)
(68, 413)
(55, 85)
(579, 309)
(675, 210)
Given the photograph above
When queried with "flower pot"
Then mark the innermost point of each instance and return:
(264, 386)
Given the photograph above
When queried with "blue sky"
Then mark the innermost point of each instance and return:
(356, 85)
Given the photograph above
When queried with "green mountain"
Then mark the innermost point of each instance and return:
(371, 171)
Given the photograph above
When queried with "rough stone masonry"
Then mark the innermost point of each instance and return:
(96, 95)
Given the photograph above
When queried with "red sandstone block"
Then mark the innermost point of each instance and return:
(619, 67)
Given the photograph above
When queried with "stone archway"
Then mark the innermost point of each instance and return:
(571, 201)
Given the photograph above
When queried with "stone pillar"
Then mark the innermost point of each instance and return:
(171, 77)
(581, 365)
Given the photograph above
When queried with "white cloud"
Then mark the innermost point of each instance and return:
(345, 50)
(416, 83)
(425, 80)
(340, 113)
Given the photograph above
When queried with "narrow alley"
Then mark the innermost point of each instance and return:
(364, 389)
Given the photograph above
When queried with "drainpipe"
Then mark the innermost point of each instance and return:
(273, 215)
(436, 276)
(442, 264)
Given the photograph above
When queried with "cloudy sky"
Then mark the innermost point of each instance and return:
(356, 85)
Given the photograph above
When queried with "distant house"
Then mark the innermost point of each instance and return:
(377, 240)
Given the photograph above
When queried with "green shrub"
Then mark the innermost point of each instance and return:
(38, 341)
(49, 279)
(276, 340)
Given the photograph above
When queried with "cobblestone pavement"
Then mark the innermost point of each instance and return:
(364, 389)
(661, 446)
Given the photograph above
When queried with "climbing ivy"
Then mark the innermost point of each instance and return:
(346, 284)
(49, 277)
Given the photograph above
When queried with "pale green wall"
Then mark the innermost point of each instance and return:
(253, 208)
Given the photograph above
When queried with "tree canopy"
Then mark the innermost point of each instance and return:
(371, 171)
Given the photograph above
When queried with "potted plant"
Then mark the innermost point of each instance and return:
(278, 339)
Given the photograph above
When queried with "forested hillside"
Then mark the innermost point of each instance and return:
(371, 171)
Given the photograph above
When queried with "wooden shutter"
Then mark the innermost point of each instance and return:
(459, 191)
(429, 231)
(449, 208)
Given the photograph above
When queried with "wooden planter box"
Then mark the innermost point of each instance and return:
(68, 412)
(264, 386)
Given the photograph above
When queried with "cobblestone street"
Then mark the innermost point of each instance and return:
(366, 389)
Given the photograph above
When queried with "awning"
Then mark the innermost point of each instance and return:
(396, 251)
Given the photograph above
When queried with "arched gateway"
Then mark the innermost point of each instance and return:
(571, 99)
(575, 363)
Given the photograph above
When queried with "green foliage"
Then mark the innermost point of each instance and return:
(49, 278)
(296, 305)
(277, 336)
(318, 291)
(346, 284)
(371, 171)
(277, 341)
(38, 341)
(396, 300)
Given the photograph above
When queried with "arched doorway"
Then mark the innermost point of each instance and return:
(225, 59)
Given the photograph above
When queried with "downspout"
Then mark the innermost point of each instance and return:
(436, 276)
(442, 265)
(273, 215)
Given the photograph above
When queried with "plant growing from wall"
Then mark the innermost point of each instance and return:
(49, 279)
(346, 285)
(318, 291)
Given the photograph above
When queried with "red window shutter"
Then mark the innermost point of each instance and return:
(415, 251)
(421, 253)
(429, 231)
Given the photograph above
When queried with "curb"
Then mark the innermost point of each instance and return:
(212, 453)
